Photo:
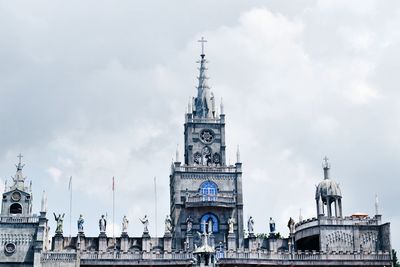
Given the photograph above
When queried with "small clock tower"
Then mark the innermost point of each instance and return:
(205, 192)
(17, 199)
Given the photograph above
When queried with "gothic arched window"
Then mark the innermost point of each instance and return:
(208, 223)
(209, 191)
(15, 208)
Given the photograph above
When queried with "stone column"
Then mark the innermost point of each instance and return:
(124, 242)
(337, 214)
(231, 241)
(328, 207)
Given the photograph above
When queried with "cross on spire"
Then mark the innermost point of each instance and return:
(20, 157)
(202, 41)
(325, 163)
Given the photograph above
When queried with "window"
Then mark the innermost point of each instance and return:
(209, 191)
(207, 222)
(15, 208)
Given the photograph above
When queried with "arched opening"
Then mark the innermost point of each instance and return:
(309, 243)
(209, 223)
(209, 191)
(16, 208)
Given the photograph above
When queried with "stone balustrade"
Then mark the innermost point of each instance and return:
(215, 169)
(18, 219)
(58, 257)
(220, 200)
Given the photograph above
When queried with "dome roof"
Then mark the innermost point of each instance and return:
(328, 188)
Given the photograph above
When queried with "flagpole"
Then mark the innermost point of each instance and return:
(155, 203)
(70, 206)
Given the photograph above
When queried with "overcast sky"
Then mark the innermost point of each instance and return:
(95, 89)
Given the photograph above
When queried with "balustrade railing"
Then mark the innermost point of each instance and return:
(58, 256)
(18, 219)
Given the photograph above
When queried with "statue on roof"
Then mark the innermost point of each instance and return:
(145, 222)
(80, 224)
(59, 220)
(102, 224)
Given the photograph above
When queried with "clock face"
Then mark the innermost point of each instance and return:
(16, 196)
(207, 136)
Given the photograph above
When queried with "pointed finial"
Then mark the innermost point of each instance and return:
(190, 106)
(222, 107)
(44, 202)
(177, 153)
(5, 185)
(326, 166)
(376, 204)
(300, 216)
(20, 165)
(202, 41)
(237, 154)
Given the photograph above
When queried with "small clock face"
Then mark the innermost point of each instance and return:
(207, 136)
(16, 196)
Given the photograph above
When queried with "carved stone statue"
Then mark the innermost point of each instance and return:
(189, 224)
(231, 222)
(209, 226)
(145, 222)
(102, 224)
(59, 219)
(250, 225)
(168, 224)
(80, 224)
(290, 225)
(125, 223)
(271, 225)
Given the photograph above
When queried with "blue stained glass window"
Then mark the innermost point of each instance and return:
(204, 221)
(209, 191)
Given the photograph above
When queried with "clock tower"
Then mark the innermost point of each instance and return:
(205, 192)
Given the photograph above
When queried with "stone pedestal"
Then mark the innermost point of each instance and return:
(80, 241)
(253, 242)
(58, 242)
(189, 242)
(231, 241)
(124, 242)
(167, 242)
(273, 244)
(102, 242)
(146, 246)
(211, 241)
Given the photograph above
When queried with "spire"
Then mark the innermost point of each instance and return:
(326, 166)
(222, 107)
(300, 216)
(238, 154)
(20, 165)
(44, 202)
(204, 102)
(376, 204)
(177, 154)
(19, 179)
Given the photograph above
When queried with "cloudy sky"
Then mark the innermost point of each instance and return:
(95, 89)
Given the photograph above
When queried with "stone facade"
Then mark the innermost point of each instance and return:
(206, 210)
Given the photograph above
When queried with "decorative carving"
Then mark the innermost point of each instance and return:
(9, 248)
(189, 224)
(206, 153)
(197, 158)
(145, 222)
(59, 219)
(102, 224)
(125, 224)
(216, 159)
(168, 224)
(231, 222)
(80, 224)
(250, 225)
(16, 196)
(207, 136)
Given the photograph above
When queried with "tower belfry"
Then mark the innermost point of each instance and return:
(204, 190)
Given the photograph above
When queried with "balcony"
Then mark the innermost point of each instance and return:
(224, 200)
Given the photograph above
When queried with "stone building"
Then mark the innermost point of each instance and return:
(206, 225)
